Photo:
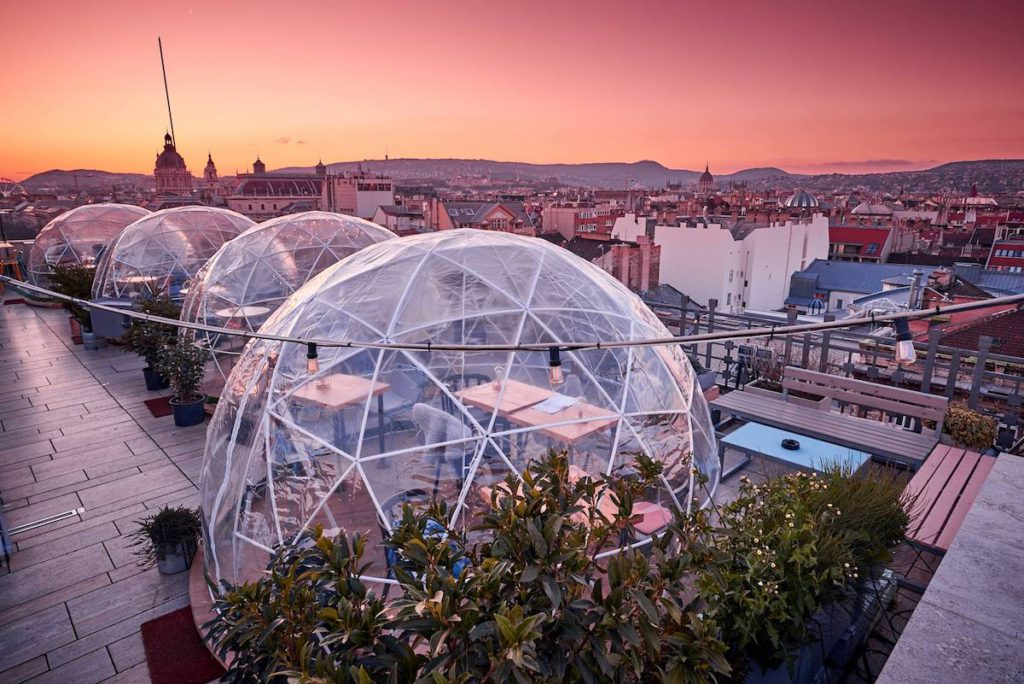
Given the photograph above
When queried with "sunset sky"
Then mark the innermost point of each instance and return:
(811, 86)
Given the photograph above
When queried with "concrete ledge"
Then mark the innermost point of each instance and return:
(970, 622)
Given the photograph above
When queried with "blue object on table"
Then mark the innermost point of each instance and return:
(813, 454)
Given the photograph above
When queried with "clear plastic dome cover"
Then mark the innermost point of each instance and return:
(250, 276)
(78, 238)
(343, 439)
(159, 254)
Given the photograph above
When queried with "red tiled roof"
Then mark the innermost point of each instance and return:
(1004, 326)
(855, 235)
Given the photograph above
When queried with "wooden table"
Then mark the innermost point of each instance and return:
(342, 391)
(246, 311)
(517, 406)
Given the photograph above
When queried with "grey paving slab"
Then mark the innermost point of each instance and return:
(27, 557)
(89, 669)
(35, 635)
(132, 487)
(53, 598)
(48, 576)
(122, 600)
(111, 634)
(128, 652)
(135, 675)
(27, 670)
(33, 512)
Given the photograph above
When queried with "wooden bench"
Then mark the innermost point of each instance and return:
(887, 441)
(943, 490)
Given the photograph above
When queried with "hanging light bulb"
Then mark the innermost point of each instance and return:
(905, 352)
(312, 363)
(555, 375)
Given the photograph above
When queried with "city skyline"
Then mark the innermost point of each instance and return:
(803, 86)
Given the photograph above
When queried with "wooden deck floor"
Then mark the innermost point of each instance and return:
(76, 434)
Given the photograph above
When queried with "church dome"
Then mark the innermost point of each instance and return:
(801, 199)
(868, 209)
(169, 158)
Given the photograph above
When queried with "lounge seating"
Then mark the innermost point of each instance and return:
(888, 441)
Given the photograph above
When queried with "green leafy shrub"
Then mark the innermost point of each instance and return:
(783, 560)
(183, 363)
(537, 600)
(310, 619)
(533, 603)
(74, 281)
(147, 338)
(969, 428)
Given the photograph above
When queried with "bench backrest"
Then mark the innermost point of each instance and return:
(868, 394)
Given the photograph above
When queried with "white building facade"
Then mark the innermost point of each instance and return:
(357, 194)
(741, 265)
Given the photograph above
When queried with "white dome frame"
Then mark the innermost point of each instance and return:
(253, 274)
(163, 251)
(258, 427)
(78, 237)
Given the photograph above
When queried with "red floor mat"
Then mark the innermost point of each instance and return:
(175, 652)
(159, 407)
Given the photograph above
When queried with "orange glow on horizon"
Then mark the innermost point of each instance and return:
(807, 86)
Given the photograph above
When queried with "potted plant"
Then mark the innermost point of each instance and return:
(76, 281)
(969, 428)
(147, 338)
(168, 539)
(183, 363)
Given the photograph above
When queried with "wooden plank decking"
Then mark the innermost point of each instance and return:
(74, 433)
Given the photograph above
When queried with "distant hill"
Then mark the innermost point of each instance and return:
(90, 180)
(991, 175)
(644, 173)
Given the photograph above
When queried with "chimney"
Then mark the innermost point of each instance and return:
(914, 295)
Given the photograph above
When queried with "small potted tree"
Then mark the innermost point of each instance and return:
(183, 363)
(147, 338)
(76, 281)
(168, 539)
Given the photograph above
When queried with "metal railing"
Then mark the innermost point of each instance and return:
(983, 380)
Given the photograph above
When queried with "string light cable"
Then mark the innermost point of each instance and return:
(769, 332)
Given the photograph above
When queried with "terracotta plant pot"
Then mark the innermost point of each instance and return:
(76, 330)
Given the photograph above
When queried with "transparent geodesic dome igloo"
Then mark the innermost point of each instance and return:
(250, 276)
(78, 237)
(159, 254)
(344, 439)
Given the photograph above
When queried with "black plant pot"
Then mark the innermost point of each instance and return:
(189, 413)
(154, 381)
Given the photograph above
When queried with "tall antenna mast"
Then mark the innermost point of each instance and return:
(167, 92)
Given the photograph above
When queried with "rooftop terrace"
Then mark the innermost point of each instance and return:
(78, 444)
(77, 438)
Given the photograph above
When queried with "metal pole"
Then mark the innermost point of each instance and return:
(823, 360)
(984, 346)
(167, 92)
(929, 361)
